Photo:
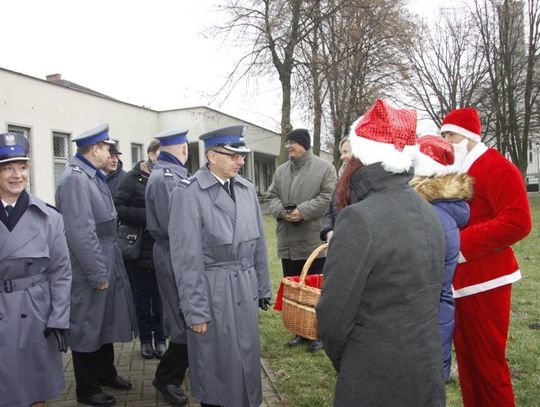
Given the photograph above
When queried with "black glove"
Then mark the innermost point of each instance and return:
(264, 303)
(60, 336)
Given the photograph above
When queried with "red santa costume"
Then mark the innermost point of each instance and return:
(500, 216)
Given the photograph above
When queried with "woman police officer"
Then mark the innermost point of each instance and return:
(35, 284)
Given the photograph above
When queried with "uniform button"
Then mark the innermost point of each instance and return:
(238, 303)
(236, 275)
(23, 315)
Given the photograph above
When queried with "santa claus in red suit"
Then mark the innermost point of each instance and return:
(500, 217)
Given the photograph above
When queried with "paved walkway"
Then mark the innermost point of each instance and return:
(132, 366)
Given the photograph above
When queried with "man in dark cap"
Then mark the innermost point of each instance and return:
(170, 169)
(221, 270)
(102, 310)
(300, 193)
(113, 169)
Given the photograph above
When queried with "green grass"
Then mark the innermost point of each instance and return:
(306, 379)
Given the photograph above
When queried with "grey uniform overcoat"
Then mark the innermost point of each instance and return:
(163, 178)
(97, 317)
(33, 255)
(378, 311)
(219, 258)
(307, 182)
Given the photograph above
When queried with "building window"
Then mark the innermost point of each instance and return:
(61, 153)
(136, 153)
(24, 131)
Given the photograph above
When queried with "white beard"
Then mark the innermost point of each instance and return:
(460, 154)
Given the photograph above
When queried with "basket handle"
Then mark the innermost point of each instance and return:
(309, 261)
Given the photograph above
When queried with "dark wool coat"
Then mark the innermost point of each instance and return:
(115, 178)
(378, 309)
(447, 194)
(131, 207)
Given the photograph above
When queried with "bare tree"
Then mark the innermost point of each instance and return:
(273, 28)
(510, 35)
(445, 68)
(359, 50)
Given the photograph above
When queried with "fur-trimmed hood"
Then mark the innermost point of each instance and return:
(444, 187)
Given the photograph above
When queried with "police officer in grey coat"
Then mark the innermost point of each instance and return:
(218, 252)
(102, 310)
(170, 169)
(35, 281)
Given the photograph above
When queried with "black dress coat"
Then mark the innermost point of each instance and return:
(130, 203)
(378, 309)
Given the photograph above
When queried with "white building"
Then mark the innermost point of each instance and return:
(49, 112)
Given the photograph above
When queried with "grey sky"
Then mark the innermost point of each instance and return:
(151, 53)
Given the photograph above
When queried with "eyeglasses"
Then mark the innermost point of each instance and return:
(290, 143)
(233, 156)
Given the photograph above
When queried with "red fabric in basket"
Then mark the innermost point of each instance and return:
(313, 280)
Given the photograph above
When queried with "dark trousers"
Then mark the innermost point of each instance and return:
(173, 365)
(91, 367)
(294, 267)
(147, 302)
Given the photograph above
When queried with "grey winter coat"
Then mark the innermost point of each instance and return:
(163, 179)
(36, 249)
(307, 182)
(97, 317)
(220, 263)
(378, 309)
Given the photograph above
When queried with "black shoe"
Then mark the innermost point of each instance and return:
(171, 392)
(147, 352)
(161, 348)
(98, 399)
(315, 346)
(116, 382)
(297, 340)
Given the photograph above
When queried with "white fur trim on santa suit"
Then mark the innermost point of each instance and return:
(425, 166)
(460, 130)
(473, 155)
(370, 152)
(487, 285)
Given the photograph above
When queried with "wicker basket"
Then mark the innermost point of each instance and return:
(299, 301)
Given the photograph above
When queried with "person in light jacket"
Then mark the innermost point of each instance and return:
(379, 306)
(218, 253)
(300, 193)
(102, 310)
(35, 283)
(436, 180)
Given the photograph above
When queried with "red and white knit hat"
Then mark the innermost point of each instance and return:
(435, 156)
(464, 121)
(387, 135)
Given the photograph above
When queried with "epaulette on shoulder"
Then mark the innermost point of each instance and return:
(246, 178)
(167, 172)
(76, 168)
(185, 182)
(52, 207)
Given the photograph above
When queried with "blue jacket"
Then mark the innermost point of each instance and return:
(447, 194)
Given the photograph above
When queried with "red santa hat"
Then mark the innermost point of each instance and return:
(387, 135)
(435, 156)
(464, 121)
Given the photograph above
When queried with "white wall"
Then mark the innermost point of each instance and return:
(44, 108)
